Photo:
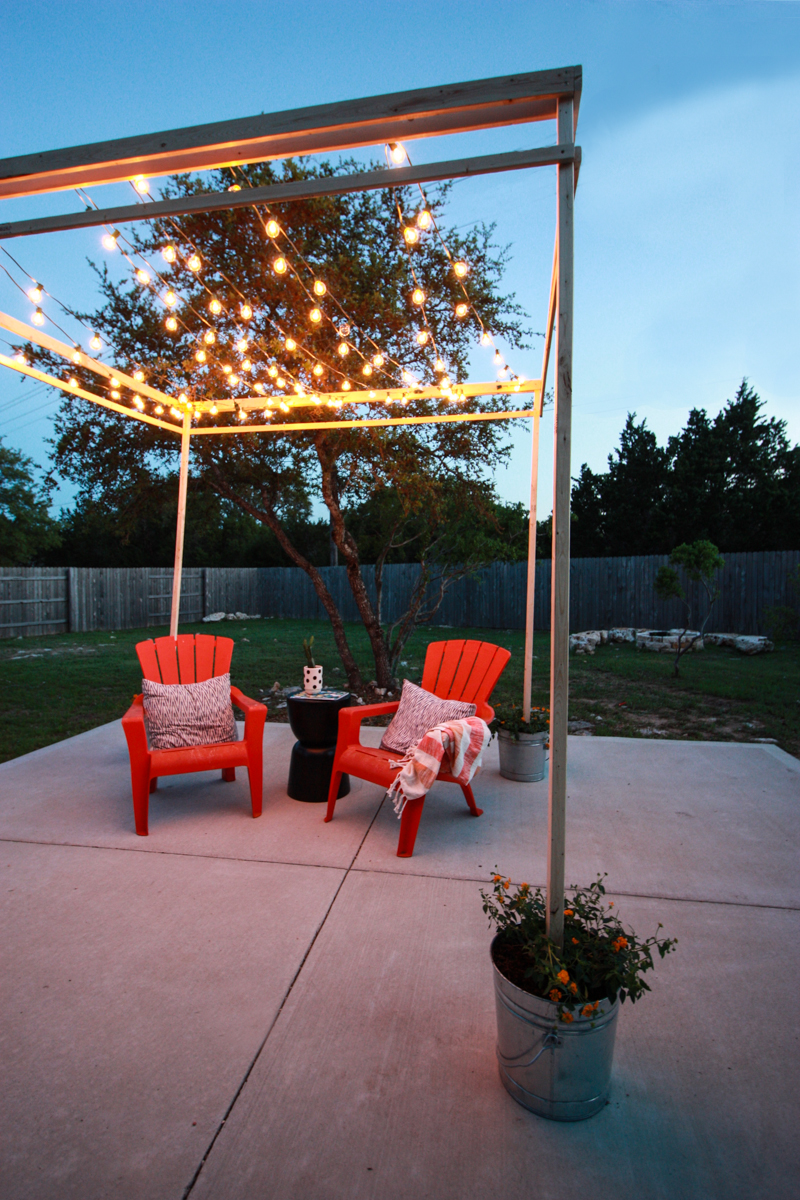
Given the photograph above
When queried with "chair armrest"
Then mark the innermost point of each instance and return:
(255, 714)
(133, 725)
(350, 719)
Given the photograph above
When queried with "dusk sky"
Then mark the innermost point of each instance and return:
(687, 243)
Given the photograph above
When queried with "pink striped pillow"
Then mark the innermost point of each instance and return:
(419, 711)
(188, 714)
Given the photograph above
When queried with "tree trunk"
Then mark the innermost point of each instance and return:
(268, 517)
(349, 552)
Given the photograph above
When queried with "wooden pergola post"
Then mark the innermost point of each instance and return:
(531, 585)
(559, 602)
(183, 482)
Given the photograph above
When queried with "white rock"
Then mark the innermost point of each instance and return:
(218, 616)
(753, 645)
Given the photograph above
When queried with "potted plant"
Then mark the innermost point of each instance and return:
(522, 742)
(312, 674)
(557, 1007)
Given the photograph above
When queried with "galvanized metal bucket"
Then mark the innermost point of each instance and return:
(522, 758)
(557, 1070)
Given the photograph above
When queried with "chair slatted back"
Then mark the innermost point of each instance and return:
(464, 670)
(189, 658)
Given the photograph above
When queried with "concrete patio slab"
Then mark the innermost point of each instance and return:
(137, 989)
(692, 820)
(78, 792)
(379, 1079)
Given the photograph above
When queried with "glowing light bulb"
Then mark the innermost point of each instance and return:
(372, 395)
(422, 337)
(397, 152)
(159, 409)
(176, 412)
(320, 288)
(201, 356)
(171, 324)
(246, 364)
(344, 349)
(95, 343)
(485, 339)
(284, 407)
(378, 360)
(461, 269)
(272, 371)
(142, 185)
(279, 266)
(73, 381)
(209, 337)
(142, 275)
(439, 365)
(273, 228)
(346, 385)
(344, 329)
(183, 398)
(366, 369)
(114, 381)
(35, 294)
(418, 297)
(462, 310)
(110, 240)
(170, 299)
(213, 410)
(227, 369)
(242, 345)
(194, 262)
(290, 344)
(246, 312)
(267, 414)
(139, 375)
(214, 305)
(38, 317)
(169, 254)
(258, 387)
(498, 358)
(315, 315)
(411, 235)
(115, 395)
(424, 219)
(233, 380)
(76, 357)
(235, 187)
(139, 403)
(318, 370)
(20, 357)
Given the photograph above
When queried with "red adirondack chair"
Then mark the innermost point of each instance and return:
(457, 670)
(190, 659)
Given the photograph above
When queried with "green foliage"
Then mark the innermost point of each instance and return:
(783, 621)
(601, 959)
(733, 480)
(26, 528)
(509, 718)
(699, 562)
(308, 650)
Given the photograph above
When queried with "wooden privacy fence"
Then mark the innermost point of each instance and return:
(603, 592)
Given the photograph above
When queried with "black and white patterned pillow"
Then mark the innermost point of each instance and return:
(188, 714)
(419, 711)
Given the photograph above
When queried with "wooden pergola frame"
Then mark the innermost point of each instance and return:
(425, 112)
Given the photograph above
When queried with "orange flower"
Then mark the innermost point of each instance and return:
(568, 912)
(573, 987)
(575, 941)
(622, 942)
(611, 904)
(555, 995)
(567, 1018)
(496, 878)
(587, 1010)
(563, 976)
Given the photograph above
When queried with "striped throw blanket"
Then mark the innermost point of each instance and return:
(456, 746)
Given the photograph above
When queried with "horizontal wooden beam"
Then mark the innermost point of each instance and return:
(322, 129)
(74, 390)
(461, 391)
(366, 423)
(301, 189)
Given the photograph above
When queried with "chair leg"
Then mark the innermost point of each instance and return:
(470, 799)
(254, 775)
(409, 824)
(154, 784)
(333, 792)
(140, 786)
(229, 774)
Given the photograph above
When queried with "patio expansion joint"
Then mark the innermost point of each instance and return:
(190, 1186)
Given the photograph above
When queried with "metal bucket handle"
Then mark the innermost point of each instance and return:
(549, 1042)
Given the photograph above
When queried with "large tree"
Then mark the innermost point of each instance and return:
(432, 479)
(26, 528)
(733, 479)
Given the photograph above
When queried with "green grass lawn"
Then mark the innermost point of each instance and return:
(54, 687)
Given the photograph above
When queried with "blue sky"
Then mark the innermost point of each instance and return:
(687, 243)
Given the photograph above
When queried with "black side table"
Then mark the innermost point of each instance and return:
(315, 723)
